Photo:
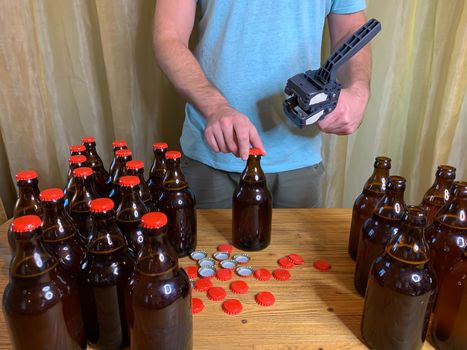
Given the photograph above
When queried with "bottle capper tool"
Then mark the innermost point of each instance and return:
(314, 94)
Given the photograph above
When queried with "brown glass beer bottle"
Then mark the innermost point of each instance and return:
(449, 322)
(41, 308)
(78, 150)
(79, 205)
(252, 207)
(158, 170)
(123, 156)
(75, 162)
(129, 213)
(438, 194)
(102, 178)
(28, 201)
(136, 168)
(158, 300)
(105, 270)
(447, 236)
(378, 230)
(178, 203)
(117, 145)
(401, 288)
(60, 233)
(373, 191)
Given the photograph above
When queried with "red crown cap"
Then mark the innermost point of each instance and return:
(119, 143)
(160, 145)
(154, 220)
(88, 139)
(76, 159)
(77, 148)
(26, 175)
(101, 205)
(173, 155)
(83, 172)
(123, 153)
(26, 223)
(255, 152)
(51, 194)
(134, 164)
(129, 181)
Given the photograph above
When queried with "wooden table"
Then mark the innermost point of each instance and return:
(313, 310)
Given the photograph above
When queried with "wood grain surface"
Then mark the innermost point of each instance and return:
(313, 310)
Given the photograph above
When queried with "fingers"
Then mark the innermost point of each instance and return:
(243, 140)
(255, 140)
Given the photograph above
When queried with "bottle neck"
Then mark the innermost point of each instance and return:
(105, 237)
(174, 178)
(156, 258)
(31, 259)
(131, 198)
(253, 172)
(85, 188)
(454, 213)
(378, 181)
(392, 205)
(409, 246)
(28, 199)
(159, 165)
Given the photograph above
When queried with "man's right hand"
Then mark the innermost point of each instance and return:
(230, 131)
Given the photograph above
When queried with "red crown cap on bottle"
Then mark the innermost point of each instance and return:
(101, 205)
(154, 220)
(77, 148)
(129, 181)
(76, 159)
(123, 153)
(83, 172)
(26, 223)
(26, 175)
(119, 143)
(51, 194)
(88, 139)
(255, 152)
(173, 155)
(134, 164)
(160, 145)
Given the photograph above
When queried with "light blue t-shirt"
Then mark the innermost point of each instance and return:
(248, 49)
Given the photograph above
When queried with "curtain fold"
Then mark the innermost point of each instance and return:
(76, 68)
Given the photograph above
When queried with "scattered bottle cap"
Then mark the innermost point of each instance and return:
(224, 274)
(206, 271)
(239, 287)
(204, 262)
(281, 275)
(244, 271)
(322, 265)
(221, 256)
(241, 259)
(262, 274)
(217, 293)
(198, 255)
(286, 262)
(232, 306)
(197, 305)
(228, 264)
(265, 298)
(203, 284)
(225, 248)
(296, 259)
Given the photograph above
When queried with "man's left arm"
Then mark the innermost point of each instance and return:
(354, 76)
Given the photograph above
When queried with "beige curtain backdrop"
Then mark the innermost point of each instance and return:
(74, 68)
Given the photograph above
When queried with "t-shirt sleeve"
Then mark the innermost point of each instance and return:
(347, 6)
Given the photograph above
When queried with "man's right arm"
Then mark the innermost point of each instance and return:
(227, 130)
